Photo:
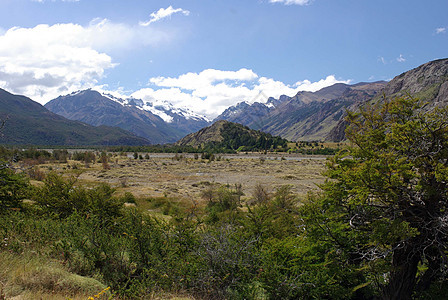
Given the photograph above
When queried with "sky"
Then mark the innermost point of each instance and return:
(209, 54)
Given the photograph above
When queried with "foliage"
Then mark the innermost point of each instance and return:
(13, 188)
(241, 138)
(60, 197)
(385, 207)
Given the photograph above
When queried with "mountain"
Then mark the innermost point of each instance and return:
(307, 115)
(428, 82)
(231, 136)
(27, 122)
(158, 122)
(251, 114)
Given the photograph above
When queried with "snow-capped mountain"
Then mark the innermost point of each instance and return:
(251, 114)
(165, 110)
(158, 121)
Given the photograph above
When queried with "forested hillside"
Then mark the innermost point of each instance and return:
(232, 136)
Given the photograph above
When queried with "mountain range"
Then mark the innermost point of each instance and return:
(158, 122)
(26, 122)
(320, 115)
(305, 116)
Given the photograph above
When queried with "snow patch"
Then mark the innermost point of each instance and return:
(165, 110)
(157, 112)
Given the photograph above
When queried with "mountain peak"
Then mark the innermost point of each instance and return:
(30, 123)
(160, 122)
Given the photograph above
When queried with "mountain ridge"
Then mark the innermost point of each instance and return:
(307, 115)
(428, 82)
(27, 122)
(159, 124)
(320, 115)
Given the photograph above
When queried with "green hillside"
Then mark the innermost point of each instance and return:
(226, 135)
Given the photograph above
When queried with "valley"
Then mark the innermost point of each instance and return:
(183, 178)
(223, 150)
(229, 211)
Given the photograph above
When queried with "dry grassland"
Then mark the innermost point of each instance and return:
(186, 178)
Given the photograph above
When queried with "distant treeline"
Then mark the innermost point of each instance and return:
(42, 156)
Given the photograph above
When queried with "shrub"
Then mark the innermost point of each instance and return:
(13, 188)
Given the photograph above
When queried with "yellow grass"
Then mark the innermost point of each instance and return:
(28, 276)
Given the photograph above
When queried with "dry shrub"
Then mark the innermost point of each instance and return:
(260, 194)
(36, 174)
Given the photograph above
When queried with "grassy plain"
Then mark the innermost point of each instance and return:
(183, 178)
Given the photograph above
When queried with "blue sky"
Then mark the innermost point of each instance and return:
(210, 54)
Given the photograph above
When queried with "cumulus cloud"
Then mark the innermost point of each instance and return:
(164, 13)
(440, 30)
(206, 78)
(44, 61)
(211, 91)
(292, 2)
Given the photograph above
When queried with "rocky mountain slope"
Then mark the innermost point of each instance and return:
(307, 115)
(158, 122)
(29, 123)
(428, 82)
(251, 114)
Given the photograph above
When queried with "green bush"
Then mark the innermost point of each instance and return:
(13, 188)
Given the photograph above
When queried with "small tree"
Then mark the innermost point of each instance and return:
(104, 161)
(260, 194)
(13, 188)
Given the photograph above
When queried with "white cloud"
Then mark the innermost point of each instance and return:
(401, 58)
(46, 61)
(207, 78)
(441, 30)
(292, 2)
(382, 60)
(164, 13)
(211, 91)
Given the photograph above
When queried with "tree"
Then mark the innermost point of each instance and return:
(386, 203)
(13, 188)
